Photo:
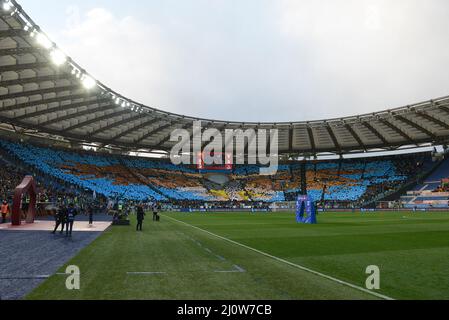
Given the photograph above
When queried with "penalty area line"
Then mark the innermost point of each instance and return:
(317, 273)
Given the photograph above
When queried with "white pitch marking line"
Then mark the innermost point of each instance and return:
(145, 273)
(237, 269)
(378, 295)
(220, 257)
(198, 243)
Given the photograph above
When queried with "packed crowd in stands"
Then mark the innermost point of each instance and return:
(405, 166)
(51, 191)
(213, 206)
(10, 177)
(85, 177)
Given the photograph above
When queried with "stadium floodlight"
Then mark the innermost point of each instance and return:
(44, 41)
(7, 6)
(117, 101)
(89, 82)
(58, 57)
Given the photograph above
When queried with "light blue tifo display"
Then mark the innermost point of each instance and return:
(305, 210)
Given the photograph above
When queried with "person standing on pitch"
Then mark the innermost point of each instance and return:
(60, 219)
(4, 210)
(90, 212)
(70, 219)
(140, 217)
(155, 212)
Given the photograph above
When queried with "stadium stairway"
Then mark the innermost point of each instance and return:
(433, 180)
(423, 191)
(415, 184)
(412, 193)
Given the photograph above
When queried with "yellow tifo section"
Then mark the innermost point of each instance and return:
(223, 195)
(243, 195)
(220, 194)
(255, 195)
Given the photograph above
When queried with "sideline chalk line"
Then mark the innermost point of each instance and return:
(378, 295)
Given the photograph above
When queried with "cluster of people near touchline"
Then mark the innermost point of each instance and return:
(140, 214)
(65, 215)
(65, 218)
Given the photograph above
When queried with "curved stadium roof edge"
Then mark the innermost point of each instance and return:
(44, 90)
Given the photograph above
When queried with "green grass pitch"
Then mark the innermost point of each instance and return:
(182, 258)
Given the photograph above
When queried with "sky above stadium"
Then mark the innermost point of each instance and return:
(258, 60)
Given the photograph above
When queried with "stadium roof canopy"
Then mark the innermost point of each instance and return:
(41, 89)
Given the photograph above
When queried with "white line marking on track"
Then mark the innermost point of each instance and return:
(378, 295)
